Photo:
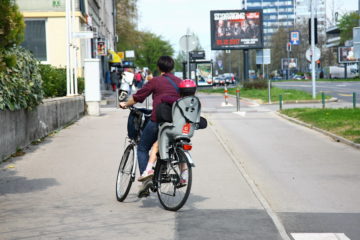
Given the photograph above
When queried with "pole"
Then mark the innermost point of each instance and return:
(68, 74)
(238, 99)
(313, 50)
(73, 20)
(323, 99)
(226, 94)
(354, 99)
(288, 61)
(280, 102)
(246, 64)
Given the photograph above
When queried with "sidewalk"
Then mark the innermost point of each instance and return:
(64, 188)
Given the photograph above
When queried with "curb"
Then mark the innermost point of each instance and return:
(329, 134)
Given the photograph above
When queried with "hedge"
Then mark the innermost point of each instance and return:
(20, 81)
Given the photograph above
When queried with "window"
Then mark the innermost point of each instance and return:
(35, 38)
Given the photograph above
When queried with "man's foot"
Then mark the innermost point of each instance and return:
(146, 175)
(144, 190)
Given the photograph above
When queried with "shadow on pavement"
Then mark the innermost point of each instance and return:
(12, 184)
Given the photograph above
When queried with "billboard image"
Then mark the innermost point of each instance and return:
(288, 63)
(236, 29)
(204, 74)
(346, 55)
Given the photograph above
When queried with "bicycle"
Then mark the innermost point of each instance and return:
(170, 182)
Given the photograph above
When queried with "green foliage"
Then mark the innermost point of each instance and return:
(20, 83)
(150, 49)
(262, 84)
(346, 25)
(54, 81)
(12, 24)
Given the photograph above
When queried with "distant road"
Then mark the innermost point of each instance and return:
(340, 90)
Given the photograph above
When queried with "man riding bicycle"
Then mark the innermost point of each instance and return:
(164, 85)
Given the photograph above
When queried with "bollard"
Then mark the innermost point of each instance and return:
(238, 100)
(226, 95)
(354, 99)
(323, 99)
(280, 102)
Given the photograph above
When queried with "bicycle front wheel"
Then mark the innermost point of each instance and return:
(124, 177)
(174, 181)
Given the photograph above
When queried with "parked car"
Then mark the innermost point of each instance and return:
(216, 81)
(298, 77)
(276, 78)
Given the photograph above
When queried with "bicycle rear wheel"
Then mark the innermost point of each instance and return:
(124, 178)
(171, 190)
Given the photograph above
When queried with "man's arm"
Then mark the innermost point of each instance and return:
(127, 104)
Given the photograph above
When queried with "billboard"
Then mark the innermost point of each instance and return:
(204, 74)
(236, 29)
(288, 63)
(346, 55)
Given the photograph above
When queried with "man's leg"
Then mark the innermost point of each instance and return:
(148, 138)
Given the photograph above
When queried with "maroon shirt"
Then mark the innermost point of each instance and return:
(159, 87)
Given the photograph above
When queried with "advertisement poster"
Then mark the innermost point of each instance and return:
(346, 55)
(288, 63)
(101, 48)
(204, 74)
(236, 29)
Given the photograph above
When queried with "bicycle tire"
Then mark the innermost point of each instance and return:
(167, 176)
(124, 179)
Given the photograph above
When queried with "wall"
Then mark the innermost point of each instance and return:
(19, 128)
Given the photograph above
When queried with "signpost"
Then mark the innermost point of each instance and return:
(188, 43)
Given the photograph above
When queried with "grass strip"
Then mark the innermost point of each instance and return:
(344, 122)
(262, 94)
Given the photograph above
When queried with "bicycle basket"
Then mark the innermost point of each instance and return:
(137, 121)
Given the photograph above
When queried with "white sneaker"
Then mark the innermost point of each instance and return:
(146, 175)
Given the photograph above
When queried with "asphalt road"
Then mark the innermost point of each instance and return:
(341, 90)
(257, 176)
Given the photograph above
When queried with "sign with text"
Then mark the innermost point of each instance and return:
(236, 29)
(295, 38)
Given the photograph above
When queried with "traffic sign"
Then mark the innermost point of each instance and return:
(188, 43)
(295, 38)
(316, 54)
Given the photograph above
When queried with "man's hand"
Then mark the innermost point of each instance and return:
(122, 105)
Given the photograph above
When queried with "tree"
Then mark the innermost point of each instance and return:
(150, 49)
(11, 31)
(346, 24)
(129, 37)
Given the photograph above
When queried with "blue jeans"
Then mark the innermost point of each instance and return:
(148, 138)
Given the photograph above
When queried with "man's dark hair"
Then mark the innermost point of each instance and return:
(165, 64)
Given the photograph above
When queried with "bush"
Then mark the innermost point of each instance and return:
(20, 81)
(54, 81)
(256, 85)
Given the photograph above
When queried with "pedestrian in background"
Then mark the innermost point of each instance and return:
(114, 77)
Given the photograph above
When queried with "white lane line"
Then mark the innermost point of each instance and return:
(240, 113)
(319, 236)
(226, 105)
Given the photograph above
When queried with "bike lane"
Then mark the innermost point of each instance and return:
(310, 181)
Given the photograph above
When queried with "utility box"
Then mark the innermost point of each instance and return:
(92, 86)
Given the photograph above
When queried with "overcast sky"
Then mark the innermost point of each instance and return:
(172, 18)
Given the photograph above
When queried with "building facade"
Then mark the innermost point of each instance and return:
(276, 14)
(45, 33)
(287, 13)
